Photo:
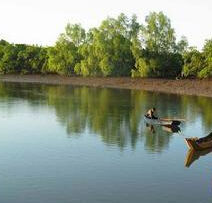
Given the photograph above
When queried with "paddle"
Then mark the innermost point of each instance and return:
(173, 119)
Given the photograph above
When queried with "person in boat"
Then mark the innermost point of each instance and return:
(150, 113)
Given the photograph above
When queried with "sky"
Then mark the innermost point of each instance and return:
(41, 21)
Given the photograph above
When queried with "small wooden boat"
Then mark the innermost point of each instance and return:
(161, 121)
(199, 143)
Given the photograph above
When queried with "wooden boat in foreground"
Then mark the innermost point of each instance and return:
(199, 143)
(161, 121)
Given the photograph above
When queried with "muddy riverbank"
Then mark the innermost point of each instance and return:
(186, 86)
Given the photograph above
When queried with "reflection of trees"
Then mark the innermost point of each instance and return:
(156, 139)
(204, 104)
(198, 107)
(113, 114)
(103, 111)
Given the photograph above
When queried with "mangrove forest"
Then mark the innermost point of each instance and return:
(118, 47)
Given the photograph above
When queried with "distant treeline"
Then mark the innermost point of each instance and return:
(118, 47)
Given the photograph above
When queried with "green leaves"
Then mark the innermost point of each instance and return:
(158, 34)
(64, 56)
(198, 64)
(118, 47)
(106, 51)
(155, 49)
(75, 34)
(20, 58)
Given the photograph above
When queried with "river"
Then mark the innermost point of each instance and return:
(62, 144)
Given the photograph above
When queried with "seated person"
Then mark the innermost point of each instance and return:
(150, 113)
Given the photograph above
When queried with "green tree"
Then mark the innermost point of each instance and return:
(158, 35)
(207, 53)
(3, 44)
(155, 49)
(182, 45)
(22, 58)
(194, 62)
(9, 55)
(107, 49)
(32, 59)
(89, 65)
(64, 55)
(74, 33)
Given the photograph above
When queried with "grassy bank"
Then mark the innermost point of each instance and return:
(186, 86)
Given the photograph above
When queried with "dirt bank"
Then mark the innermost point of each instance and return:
(187, 86)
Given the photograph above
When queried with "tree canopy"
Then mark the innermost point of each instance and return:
(118, 47)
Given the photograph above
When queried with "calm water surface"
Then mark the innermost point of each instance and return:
(62, 144)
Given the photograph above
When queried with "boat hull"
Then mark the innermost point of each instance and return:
(161, 122)
(193, 144)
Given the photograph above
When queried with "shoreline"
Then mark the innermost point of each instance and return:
(185, 86)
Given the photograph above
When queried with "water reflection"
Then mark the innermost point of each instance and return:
(166, 128)
(150, 128)
(115, 115)
(83, 138)
(193, 155)
(172, 129)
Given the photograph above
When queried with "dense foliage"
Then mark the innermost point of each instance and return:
(21, 58)
(118, 47)
(198, 64)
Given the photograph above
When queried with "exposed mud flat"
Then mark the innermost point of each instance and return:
(185, 86)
